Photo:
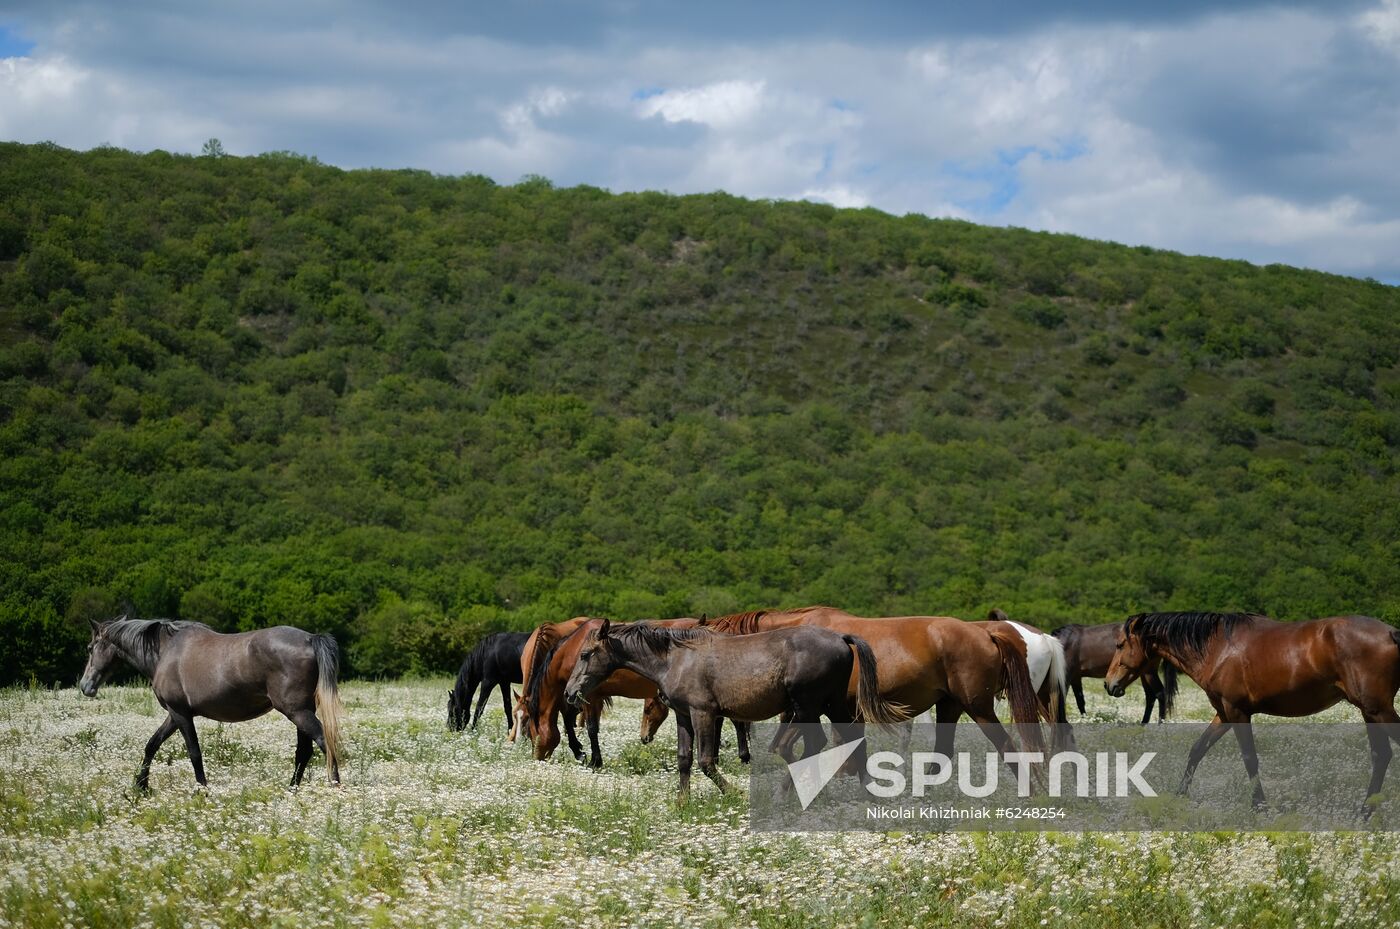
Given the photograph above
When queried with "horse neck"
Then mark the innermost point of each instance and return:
(1183, 660)
(641, 660)
(143, 660)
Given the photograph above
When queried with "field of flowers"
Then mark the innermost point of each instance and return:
(434, 828)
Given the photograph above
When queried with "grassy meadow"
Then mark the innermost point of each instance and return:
(434, 828)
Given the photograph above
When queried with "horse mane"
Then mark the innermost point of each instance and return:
(1170, 681)
(547, 640)
(1189, 633)
(141, 639)
(659, 639)
(746, 623)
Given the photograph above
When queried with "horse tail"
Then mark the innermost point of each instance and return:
(328, 706)
(870, 706)
(1062, 737)
(1170, 681)
(1020, 692)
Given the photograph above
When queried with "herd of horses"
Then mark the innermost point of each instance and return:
(796, 665)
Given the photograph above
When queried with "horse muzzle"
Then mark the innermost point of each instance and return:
(573, 698)
(1115, 689)
(88, 688)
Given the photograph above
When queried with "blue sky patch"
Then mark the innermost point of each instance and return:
(12, 44)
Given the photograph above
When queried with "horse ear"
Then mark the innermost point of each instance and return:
(96, 626)
(999, 615)
(704, 619)
(603, 629)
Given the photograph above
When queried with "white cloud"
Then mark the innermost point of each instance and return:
(838, 195)
(723, 105)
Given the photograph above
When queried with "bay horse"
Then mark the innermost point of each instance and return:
(196, 671)
(1247, 664)
(1088, 653)
(928, 662)
(800, 673)
(495, 662)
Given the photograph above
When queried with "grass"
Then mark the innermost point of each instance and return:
(434, 828)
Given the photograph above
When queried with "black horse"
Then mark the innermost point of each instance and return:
(495, 662)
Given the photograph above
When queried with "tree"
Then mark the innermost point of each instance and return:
(213, 149)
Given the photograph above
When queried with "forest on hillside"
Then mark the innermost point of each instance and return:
(408, 409)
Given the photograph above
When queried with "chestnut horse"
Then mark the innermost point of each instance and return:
(1248, 664)
(799, 672)
(927, 662)
(1088, 653)
(535, 660)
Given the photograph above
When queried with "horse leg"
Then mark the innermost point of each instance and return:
(570, 721)
(1155, 693)
(303, 756)
(706, 729)
(309, 727)
(685, 732)
(741, 733)
(186, 724)
(164, 731)
(1198, 751)
(986, 719)
(1380, 755)
(487, 685)
(946, 713)
(1244, 734)
(784, 728)
(505, 701)
(1078, 686)
(595, 714)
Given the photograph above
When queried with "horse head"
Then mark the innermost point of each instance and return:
(102, 654)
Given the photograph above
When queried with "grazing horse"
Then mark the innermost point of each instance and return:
(1247, 664)
(927, 662)
(800, 673)
(495, 662)
(196, 671)
(1088, 653)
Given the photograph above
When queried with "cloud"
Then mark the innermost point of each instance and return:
(724, 104)
(1247, 129)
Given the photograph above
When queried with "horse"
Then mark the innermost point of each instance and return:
(1046, 663)
(541, 701)
(196, 671)
(1247, 664)
(928, 662)
(800, 673)
(495, 662)
(544, 700)
(1088, 653)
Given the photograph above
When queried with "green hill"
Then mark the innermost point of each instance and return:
(407, 409)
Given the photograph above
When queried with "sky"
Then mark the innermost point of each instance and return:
(1263, 131)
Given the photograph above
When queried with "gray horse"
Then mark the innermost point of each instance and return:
(196, 671)
(800, 673)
